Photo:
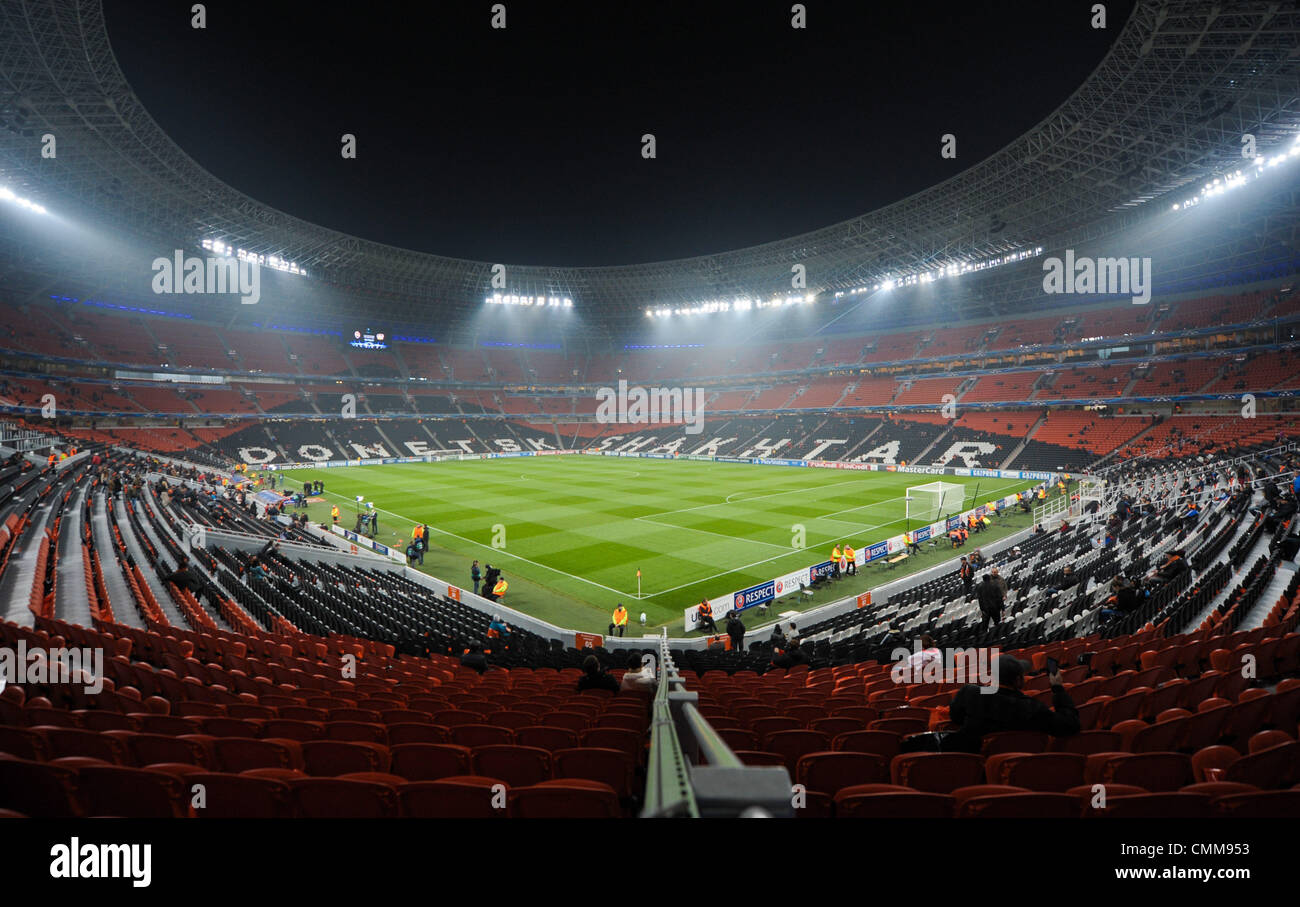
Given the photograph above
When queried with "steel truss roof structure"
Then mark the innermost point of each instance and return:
(1170, 103)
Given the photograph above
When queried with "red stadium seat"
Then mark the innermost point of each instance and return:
(881, 743)
(430, 761)
(417, 733)
(831, 772)
(1043, 772)
(1167, 805)
(793, 745)
(888, 801)
(38, 789)
(236, 754)
(133, 793)
(1020, 806)
(331, 758)
(342, 798)
(227, 796)
(611, 767)
(455, 797)
(565, 798)
(1273, 804)
(938, 773)
(631, 742)
(517, 766)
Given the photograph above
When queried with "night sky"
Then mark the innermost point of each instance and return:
(523, 145)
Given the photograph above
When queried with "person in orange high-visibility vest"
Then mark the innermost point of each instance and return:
(851, 563)
(835, 561)
(334, 513)
(499, 589)
(620, 619)
(704, 617)
(51, 460)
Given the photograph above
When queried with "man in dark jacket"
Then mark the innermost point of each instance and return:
(736, 630)
(967, 573)
(185, 578)
(489, 581)
(1173, 565)
(594, 677)
(474, 658)
(989, 595)
(777, 639)
(981, 712)
(475, 575)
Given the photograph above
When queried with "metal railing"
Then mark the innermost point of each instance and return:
(693, 772)
(668, 792)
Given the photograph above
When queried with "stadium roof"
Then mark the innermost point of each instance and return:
(1183, 82)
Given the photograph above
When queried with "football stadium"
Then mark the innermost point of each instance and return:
(338, 496)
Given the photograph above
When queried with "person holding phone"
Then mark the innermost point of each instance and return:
(1003, 706)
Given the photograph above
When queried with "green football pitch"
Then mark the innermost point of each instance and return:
(570, 533)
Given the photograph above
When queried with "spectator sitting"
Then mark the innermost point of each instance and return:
(1124, 598)
(704, 617)
(255, 568)
(474, 658)
(1008, 709)
(1069, 579)
(498, 629)
(914, 666)
(777, 639)
(184, 578)
(1173, 565)
(639, 677)
(594, 677)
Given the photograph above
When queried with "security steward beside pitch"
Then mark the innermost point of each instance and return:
(619, 621)
(704, 618)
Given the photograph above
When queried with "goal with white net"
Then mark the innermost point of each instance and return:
(934, 500)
